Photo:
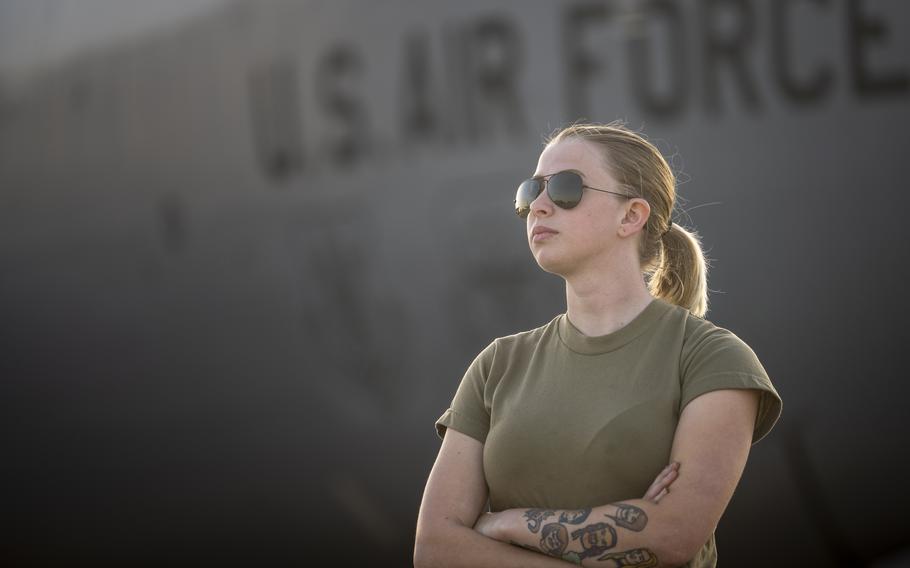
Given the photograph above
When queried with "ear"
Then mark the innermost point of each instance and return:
(635, 218)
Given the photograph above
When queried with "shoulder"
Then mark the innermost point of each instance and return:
(705, 340)
(505, 350)
(715, 358)
(531, 337)
(698, 328)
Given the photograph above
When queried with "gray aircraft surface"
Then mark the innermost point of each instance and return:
(247, 256)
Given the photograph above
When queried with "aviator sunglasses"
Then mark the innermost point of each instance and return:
(563, 188)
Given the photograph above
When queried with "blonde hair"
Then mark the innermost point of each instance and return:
(673, 261)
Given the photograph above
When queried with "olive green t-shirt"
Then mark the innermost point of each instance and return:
(570, 421)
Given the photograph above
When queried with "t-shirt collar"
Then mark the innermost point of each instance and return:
(577, 341)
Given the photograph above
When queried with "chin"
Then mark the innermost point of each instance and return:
(550, 263)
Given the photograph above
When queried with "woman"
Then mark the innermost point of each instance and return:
(563, 427)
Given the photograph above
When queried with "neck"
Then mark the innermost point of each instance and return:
(603, 300)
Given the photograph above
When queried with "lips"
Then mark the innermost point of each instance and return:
(541, 229)
(540, 233)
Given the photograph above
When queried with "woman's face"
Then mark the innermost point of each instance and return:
(589, 232)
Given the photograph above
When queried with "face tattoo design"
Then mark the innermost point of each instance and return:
(638, 558)
(535, 517)
(595, 539)
(553, 539)
(574, 517)
(630, 517)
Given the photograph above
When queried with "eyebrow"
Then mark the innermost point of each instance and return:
(579, 172)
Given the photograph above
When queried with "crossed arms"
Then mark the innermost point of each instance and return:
(711, 445)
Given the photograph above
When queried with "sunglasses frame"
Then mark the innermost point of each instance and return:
(544, 185)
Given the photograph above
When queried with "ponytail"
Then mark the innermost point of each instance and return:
(681, 274)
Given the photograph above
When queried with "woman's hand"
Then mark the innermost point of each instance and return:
(661, 485)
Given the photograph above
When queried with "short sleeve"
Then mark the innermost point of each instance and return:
(468, 412)
(715, 358)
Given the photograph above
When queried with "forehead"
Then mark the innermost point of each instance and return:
(573, 154)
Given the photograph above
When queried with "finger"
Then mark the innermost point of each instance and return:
(653, 491)
(651, 494)
(666, 471)
(672, 472)
(658, 487)
(667, 478)
(663, 479)
(656, 497)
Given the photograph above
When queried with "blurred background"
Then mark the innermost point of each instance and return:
(248, 249)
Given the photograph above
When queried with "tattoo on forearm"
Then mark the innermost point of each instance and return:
(536, 517)
(568, 556)
(638, 558)
(574, 517)
(553, 539)
(630, 517)
(595, 539)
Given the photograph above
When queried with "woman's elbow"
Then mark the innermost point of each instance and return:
(429, 548)
(679, 554)
(666, 552)
(441, 543)
(673, 558)
(679, 542)
(424, 556)
(421, 559)
(422, 550)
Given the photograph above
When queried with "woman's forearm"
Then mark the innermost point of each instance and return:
(452, 545)
(634, 533)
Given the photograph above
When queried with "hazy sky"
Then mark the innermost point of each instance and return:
(38, 32)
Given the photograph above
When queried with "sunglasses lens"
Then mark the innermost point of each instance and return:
(565, 189)
(527, 192)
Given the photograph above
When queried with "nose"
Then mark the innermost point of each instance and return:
(542, 205)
